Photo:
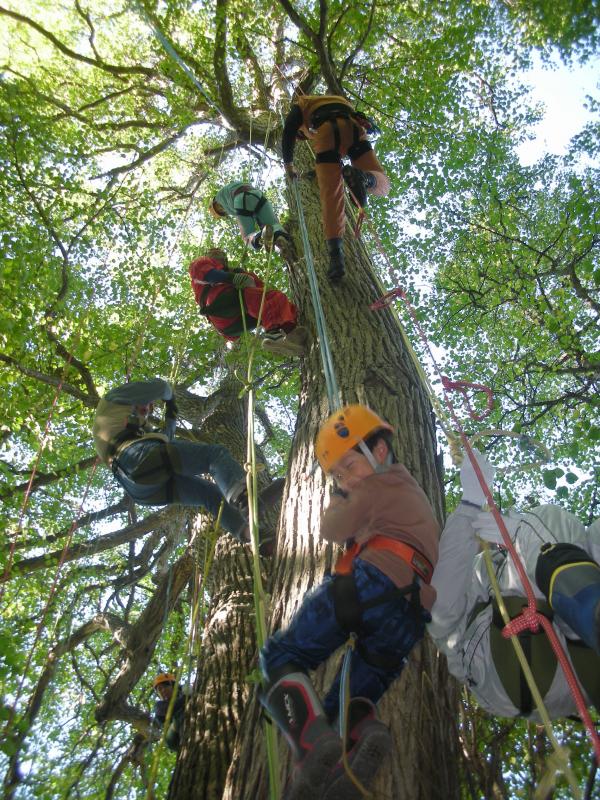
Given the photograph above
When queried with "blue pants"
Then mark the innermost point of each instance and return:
(157, 473)
(390, 629)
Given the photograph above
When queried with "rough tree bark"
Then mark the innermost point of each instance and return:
(374, 367)
(228, 648)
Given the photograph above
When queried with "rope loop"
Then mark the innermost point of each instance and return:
(462, 386)
(528, 620)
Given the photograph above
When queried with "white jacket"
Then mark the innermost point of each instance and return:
(461, 581)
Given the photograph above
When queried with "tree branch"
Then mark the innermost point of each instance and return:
(113, 69)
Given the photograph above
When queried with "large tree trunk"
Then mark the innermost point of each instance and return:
(228, 643)
(374, 367)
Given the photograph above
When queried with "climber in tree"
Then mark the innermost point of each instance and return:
(379, 590)
(334, 130)
(164, 686)
(255, 216)
(154, 468)
(218, 289)
(561, 560)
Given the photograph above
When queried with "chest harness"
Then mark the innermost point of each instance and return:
(347, 606)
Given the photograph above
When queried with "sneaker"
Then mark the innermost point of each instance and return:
(286, 344)
(357, 181)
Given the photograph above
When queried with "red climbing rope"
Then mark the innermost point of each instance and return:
(41, 623)
(36, 465)
(530, 618)
(462, 386)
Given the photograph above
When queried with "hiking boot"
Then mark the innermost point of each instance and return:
(295, 708)
(286, 344)
(358, 181)
(337, 268)
(368, 743)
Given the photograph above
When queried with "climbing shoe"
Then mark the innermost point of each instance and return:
(286, 344)
(337, 268)
(295, 708)
(358, 181)
(367, 744)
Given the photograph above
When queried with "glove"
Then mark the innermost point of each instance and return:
(171, 409)
(290, 171)
(241, 280)
(472, 491)
(486, 527)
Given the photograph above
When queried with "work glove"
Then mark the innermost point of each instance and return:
(290, 171)
(241, 280)
(486, 527)
(472, 491)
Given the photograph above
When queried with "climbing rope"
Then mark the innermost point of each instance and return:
(260, 598)
(561, 754)
(530, 618)
(51, 593)
(41, 448)
(333, 392)
(344, 708)
(201, 597)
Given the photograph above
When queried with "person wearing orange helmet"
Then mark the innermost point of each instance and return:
(255, 216)
(164, 686)
(380, 591)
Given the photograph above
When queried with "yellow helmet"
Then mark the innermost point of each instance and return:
(164, 677)
(212, 207)
(344, 430)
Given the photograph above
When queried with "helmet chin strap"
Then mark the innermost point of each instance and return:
(379, 468)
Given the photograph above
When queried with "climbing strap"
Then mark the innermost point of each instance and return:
(410, 555)
(333, 392)
(530, 617)
(343, 721)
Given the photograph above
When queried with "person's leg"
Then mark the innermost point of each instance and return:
(248, 226)
(289, 696)
(570, 579)
(363, 157)
(195, 491)
(190, 459)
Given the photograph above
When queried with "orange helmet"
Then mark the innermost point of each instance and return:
(213, 210)
(164, 677)
(344, 430)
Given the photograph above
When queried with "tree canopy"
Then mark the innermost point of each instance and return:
(118, 123)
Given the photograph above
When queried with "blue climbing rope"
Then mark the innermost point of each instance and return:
(333, 392)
